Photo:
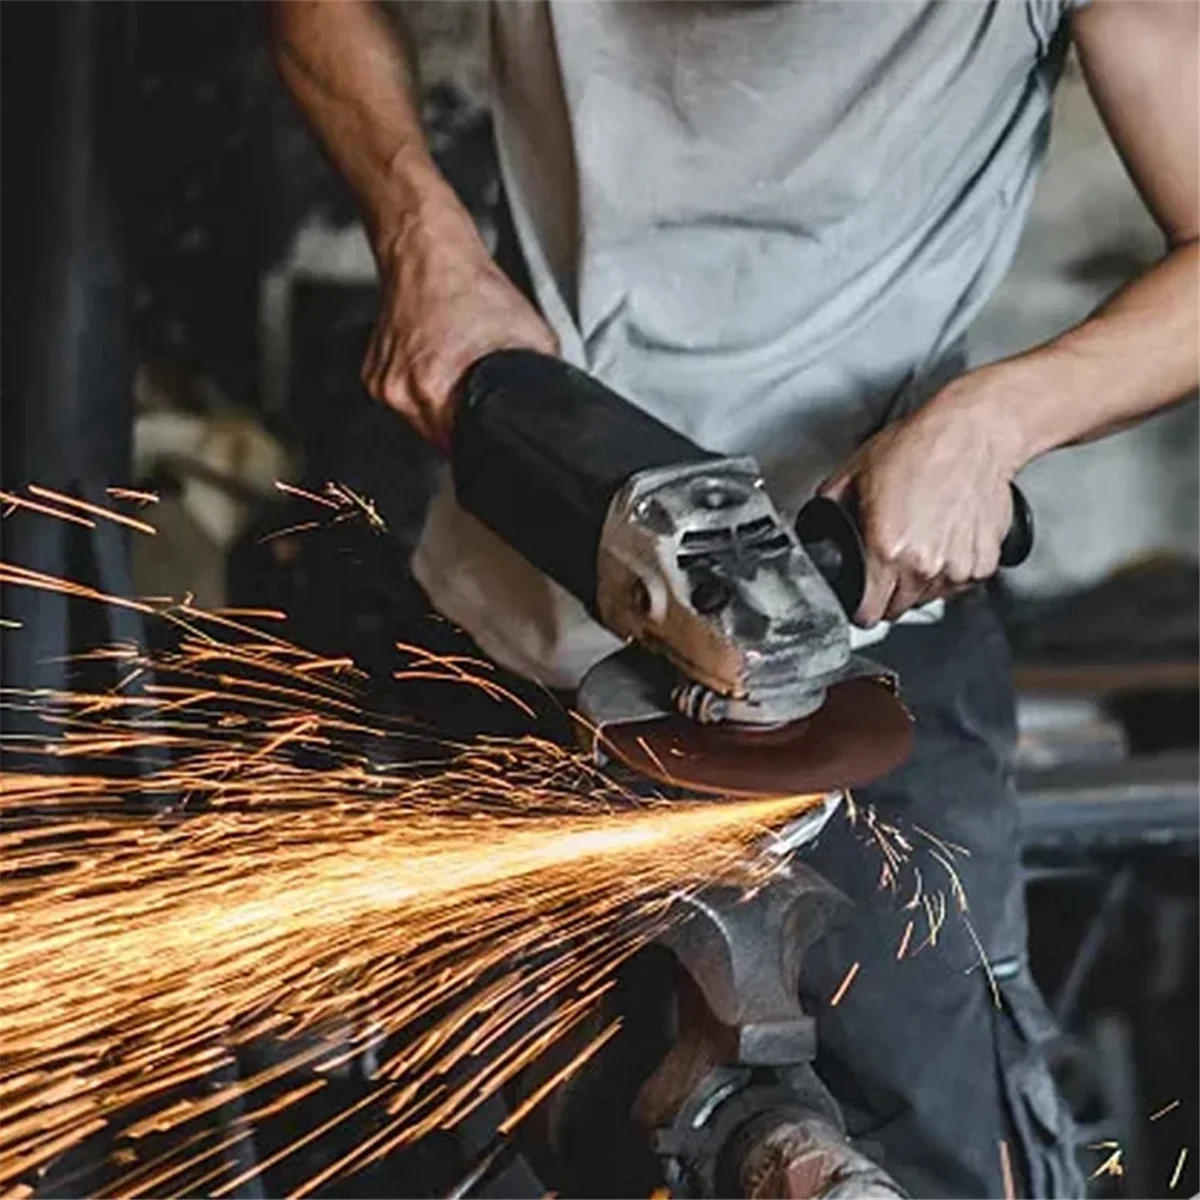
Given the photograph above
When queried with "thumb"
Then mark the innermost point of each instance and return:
(439, 425)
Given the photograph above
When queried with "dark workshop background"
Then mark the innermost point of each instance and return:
(223, 294)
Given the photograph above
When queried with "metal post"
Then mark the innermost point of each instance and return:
(66, 375)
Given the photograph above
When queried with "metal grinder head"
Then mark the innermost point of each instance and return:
(695, 563)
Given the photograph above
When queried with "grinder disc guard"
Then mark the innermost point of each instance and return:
(858, 735)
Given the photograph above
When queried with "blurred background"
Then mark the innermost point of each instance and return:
(186, 298)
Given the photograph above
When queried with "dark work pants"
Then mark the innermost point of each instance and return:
(934, 1064)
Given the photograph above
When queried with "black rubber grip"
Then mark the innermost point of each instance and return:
(538, 451)
(1018, 541)
(829, 533)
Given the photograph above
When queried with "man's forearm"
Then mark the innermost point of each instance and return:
(932, 489)
(351, 75)
(444, 304)
(1138, 353)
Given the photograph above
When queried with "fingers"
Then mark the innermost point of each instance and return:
(911, 591)
(445, 306)
(890, 594)
(916, 594)
(420, 397)
(912, 559)
(392, 386)
(932, 505)
(420, 386)
(895, 585)
(902, 576)
(877, 594)
(988, 542)
(894, 588)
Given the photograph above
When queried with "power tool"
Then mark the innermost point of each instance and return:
(737, 676)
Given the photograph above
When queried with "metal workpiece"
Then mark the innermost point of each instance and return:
(784, 1159)
(805, 828)
(735, 1108)
(744, 953)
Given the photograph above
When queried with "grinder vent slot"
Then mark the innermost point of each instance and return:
(752, 530)
(763, 537)
(701, 538)
(772, 545)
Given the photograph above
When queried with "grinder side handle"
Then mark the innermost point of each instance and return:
(829, 533)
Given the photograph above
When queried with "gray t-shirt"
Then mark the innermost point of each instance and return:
(766, 223)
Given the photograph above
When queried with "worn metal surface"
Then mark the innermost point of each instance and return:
(696, 563)
(735, 1107)
(809, 1157)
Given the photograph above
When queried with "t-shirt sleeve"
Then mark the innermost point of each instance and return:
(1047, 16)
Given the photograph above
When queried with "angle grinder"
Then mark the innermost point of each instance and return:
(737, 675)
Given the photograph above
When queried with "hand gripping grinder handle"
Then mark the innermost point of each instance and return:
(830, 536)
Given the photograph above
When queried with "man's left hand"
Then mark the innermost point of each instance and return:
(931, 494)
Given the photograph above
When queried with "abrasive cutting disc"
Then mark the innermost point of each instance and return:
(858, 735)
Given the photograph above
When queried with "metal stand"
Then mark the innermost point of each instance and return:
(735, 1108)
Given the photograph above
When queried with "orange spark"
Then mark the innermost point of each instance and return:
(983, 961)
(1178, 1172)
(1112, 1165)
(300, 527)
(343, 500)
(133, 494)
(258, 924)
(844, 986)
(291, 490)
(1006, 1171)
(260, 614)
(44, 509)
(539, 1094)
(95, 510)
(465, 912)
(649, 753)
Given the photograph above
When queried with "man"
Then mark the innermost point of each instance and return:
(771, 225)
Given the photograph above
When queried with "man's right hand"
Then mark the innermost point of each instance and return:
(445, 304)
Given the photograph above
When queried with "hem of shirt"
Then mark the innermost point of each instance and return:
(452, 604)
